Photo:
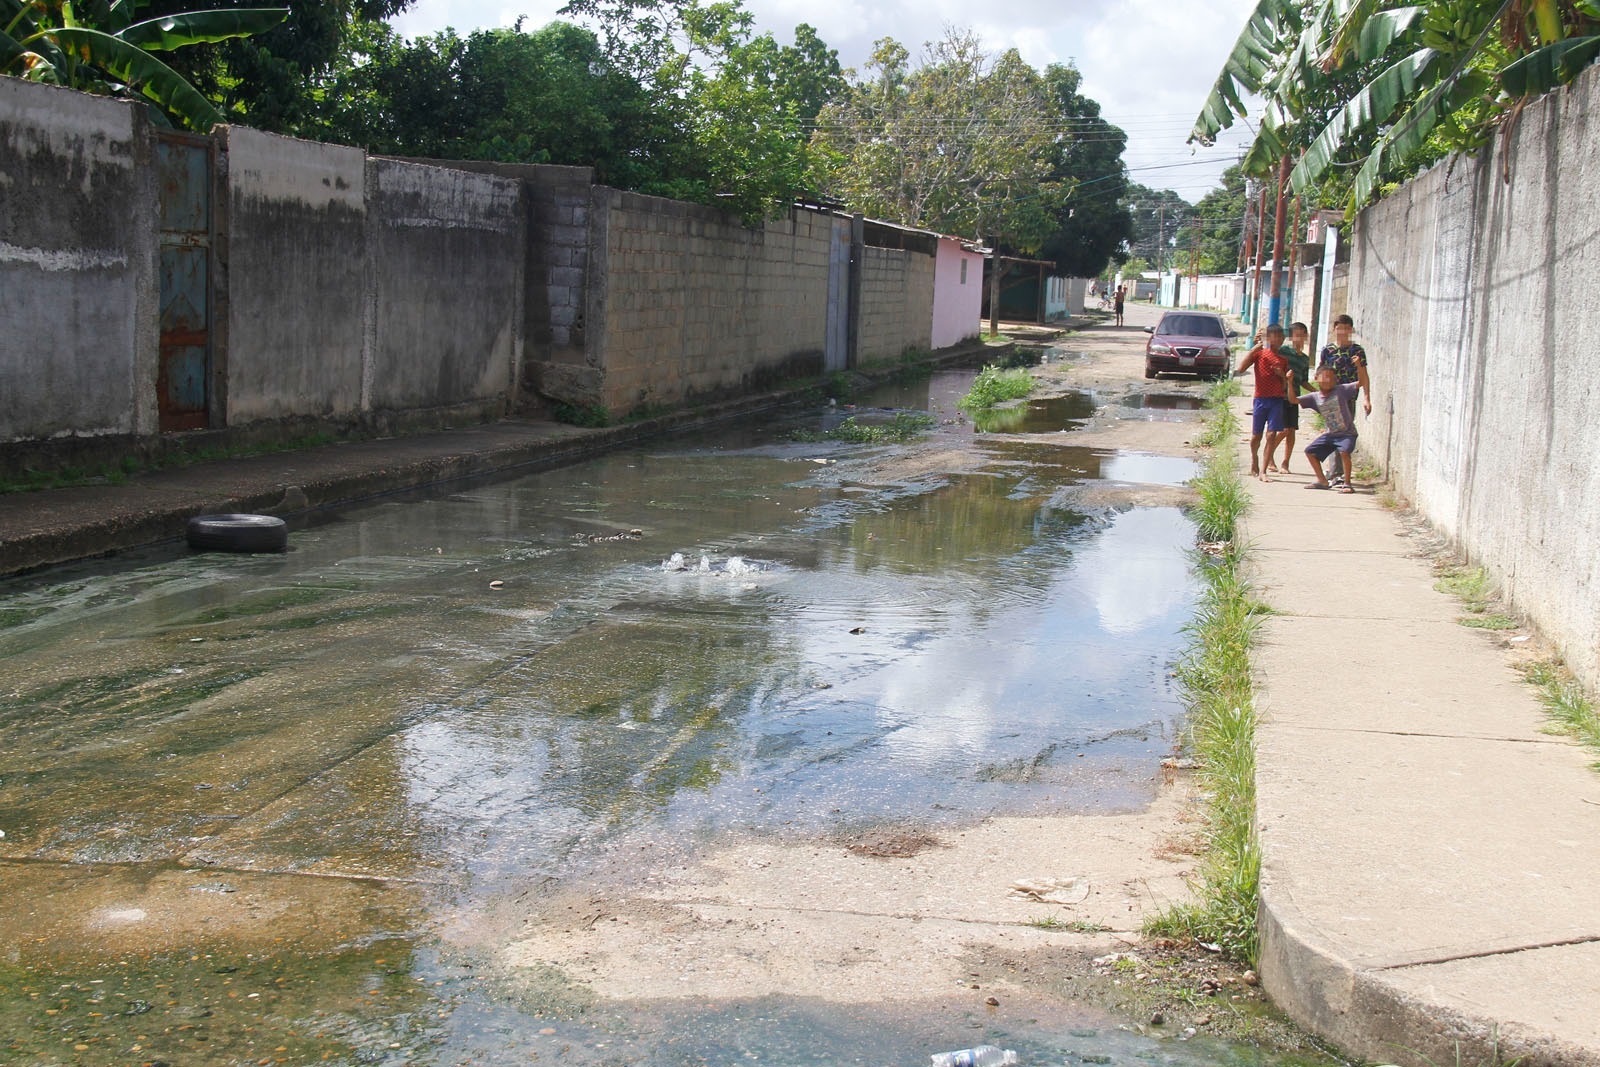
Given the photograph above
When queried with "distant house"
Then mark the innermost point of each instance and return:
(957, 291)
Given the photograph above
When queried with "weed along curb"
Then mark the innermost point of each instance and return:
(1214, 678)
(44, 527)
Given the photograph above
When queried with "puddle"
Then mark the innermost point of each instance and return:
(243, 796)
(1054, 414)
(1161, 407)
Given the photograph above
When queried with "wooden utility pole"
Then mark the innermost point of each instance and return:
(1275, 308)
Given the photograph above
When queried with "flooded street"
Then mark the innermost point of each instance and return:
(728, 748)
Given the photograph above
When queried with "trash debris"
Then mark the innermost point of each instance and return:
(1052, 890)
(497, 584)
(979, 1056)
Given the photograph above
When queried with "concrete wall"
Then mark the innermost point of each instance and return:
(684, 301)
(78, 265)
(896, 302)
(293, 266)
(446, 250)
(1473, 299)
(957, 294)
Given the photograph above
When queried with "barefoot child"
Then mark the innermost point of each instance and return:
(1335, 402)
(1272, 378)
(1300, 363)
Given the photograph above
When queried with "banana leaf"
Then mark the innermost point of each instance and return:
(1383, 29)
(1546, 68)
(201, 27)
(1249, 65)
(1371, 106)
(1411, 131)
(1270, 145)
(140, 70)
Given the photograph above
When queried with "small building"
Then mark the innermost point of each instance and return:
(957, 291)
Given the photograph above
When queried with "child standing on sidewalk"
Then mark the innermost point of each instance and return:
(1267, 410)
(1335, 402)
(1300, 363)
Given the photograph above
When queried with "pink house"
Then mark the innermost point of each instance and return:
(957, 292)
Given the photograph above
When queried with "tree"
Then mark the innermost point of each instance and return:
(1092, 223)
(1389, 87)
(1158, 216)
(964, 143)
(1215, 228)
(102, 49)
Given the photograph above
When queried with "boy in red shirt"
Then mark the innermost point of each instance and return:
(1272, 387)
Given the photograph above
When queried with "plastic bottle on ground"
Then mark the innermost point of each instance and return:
(981, 1056)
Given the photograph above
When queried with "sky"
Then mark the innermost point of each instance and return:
(1149, 63)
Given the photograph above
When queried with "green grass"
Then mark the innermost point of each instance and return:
(1214, 684)
(1470, 584)
(903, 427)
(1570, 710)
(995, 385)
(591, 415)
(1494, 621)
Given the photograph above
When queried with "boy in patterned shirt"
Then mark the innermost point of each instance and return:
(1349, 362)
(1335, 401)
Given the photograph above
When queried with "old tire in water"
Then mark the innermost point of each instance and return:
(238, 533)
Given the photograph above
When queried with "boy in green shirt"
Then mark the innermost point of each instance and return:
(1300, 364)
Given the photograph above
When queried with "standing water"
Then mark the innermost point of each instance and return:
(292, 808)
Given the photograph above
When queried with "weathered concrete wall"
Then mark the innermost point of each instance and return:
(896, 302)
(683, 301)
(447, 251)
(957, 294)
(1474, 300)
(78, 274)
(294, 269)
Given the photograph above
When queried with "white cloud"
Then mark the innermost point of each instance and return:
(1149, 63)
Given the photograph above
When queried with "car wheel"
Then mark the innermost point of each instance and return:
(238, 533)
(1150, 371)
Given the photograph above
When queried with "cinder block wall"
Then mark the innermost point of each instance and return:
(78, 265)
(1471, 296)
(684, 301)
(896, 302)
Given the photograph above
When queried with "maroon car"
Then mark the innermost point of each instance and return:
(1192, 342)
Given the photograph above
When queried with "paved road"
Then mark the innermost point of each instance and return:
(1429, 852)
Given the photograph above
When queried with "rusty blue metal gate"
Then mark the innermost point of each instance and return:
(183, 381)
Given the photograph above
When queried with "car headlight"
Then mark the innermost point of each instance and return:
(1216, 350)
(1160, 350)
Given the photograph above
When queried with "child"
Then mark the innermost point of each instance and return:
(1300, 364)
(1348, 359)
(1272, 383)
(1335, 402)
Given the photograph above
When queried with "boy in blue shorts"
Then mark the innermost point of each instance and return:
(1272, 386)
(1335, 402)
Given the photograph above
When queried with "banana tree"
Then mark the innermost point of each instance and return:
(1400, 76)
(100, 48)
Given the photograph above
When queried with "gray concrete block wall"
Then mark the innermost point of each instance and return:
(1471, 297)
(447, 251)
(295, 272)
(78, 265)
(695, 303)
(896, 302)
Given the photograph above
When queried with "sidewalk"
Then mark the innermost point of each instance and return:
(1430, 885)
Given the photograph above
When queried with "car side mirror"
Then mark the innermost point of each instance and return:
(1149, 329)
(1233, 333)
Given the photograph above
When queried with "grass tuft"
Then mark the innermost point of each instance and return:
(995, 385)
(903, 427)
(1570, 710)
(1470, 584)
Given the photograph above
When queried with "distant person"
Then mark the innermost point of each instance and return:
(1348, 359)
(1335, 401)
(1299, 363)
(1121, 295)
(1268, 406)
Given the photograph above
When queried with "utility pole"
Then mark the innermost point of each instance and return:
(1261, 250)
(1161, 234)
(1275, 309)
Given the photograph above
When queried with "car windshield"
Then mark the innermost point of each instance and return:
(1191, 326)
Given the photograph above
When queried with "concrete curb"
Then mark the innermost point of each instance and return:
(53, 526)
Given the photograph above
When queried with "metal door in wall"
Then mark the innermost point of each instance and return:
(184, 164)
(836, 355)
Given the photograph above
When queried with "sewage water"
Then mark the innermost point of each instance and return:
(246, 799)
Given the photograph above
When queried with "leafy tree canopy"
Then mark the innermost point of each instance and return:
(1092, 222)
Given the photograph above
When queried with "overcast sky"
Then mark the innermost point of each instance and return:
(1150, 63)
